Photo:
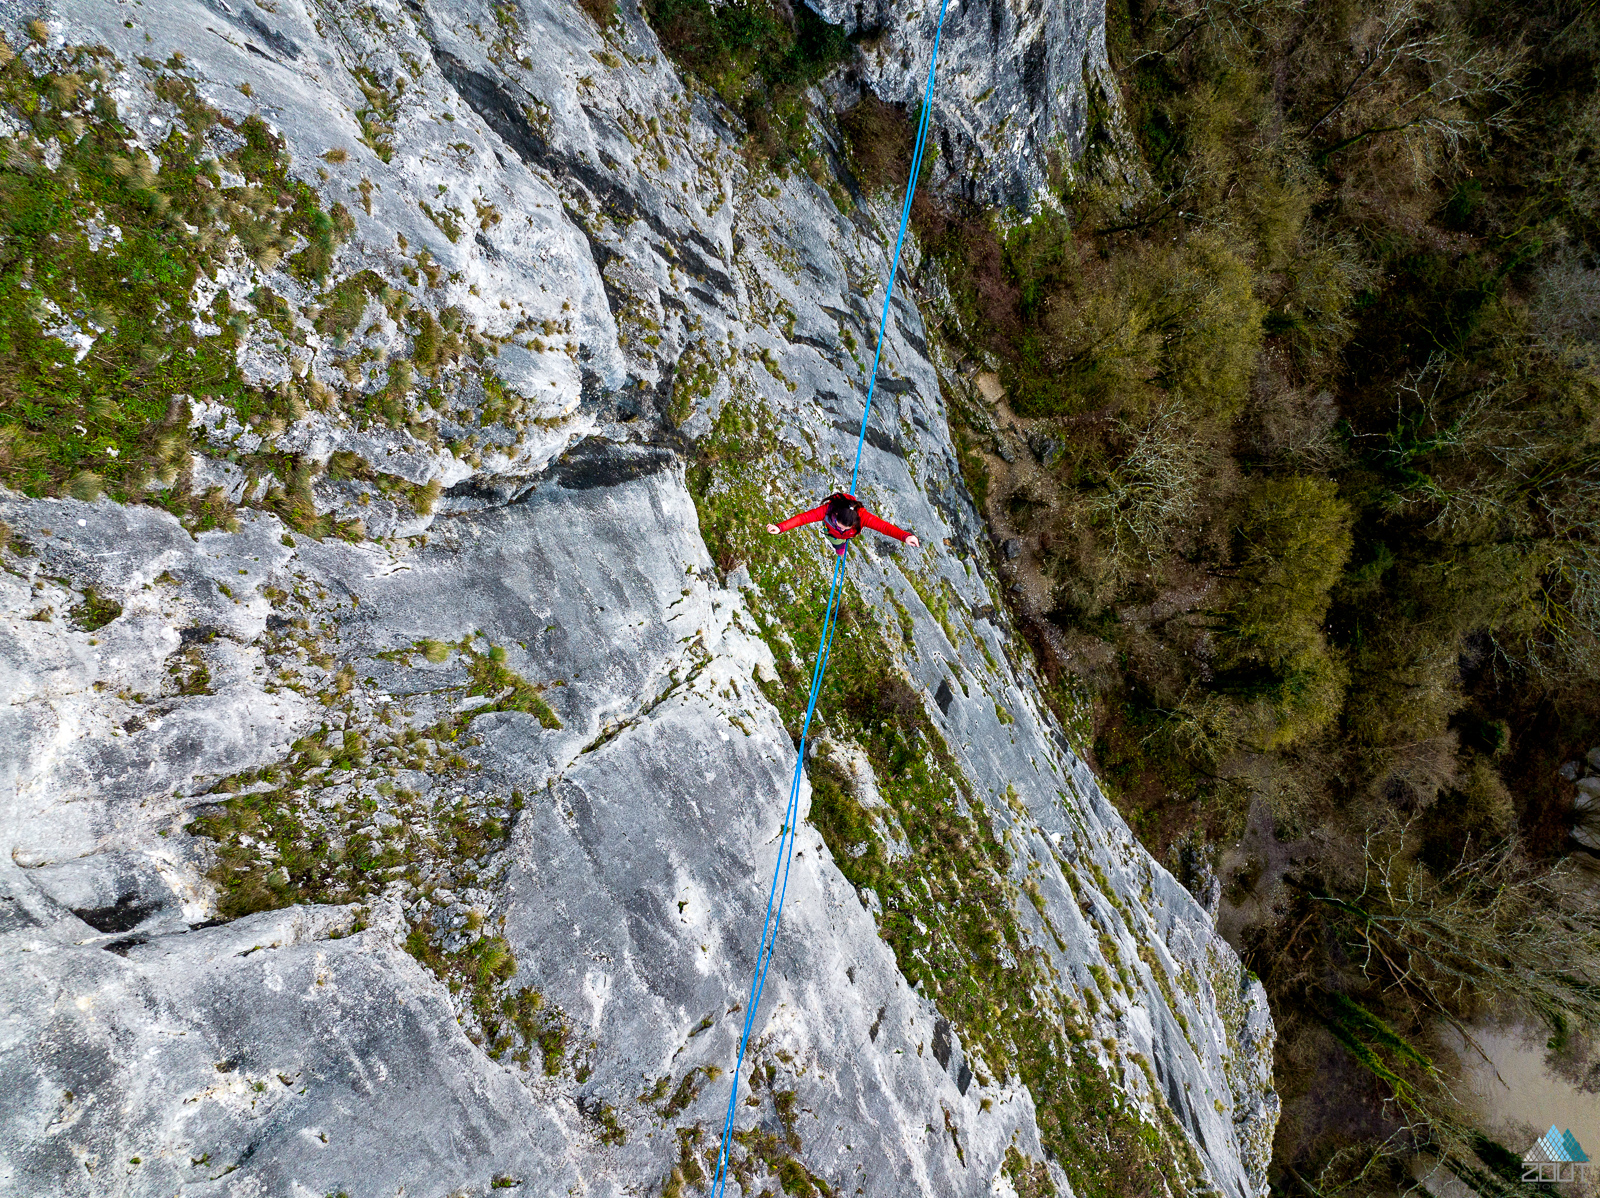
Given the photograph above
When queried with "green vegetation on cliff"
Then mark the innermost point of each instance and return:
(945, 901)
(105, 333)
(140, 266)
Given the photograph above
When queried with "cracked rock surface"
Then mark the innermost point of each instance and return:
(1016, 90)
(390, 803)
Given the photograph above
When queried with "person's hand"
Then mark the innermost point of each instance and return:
(913, 542)
(773, 529)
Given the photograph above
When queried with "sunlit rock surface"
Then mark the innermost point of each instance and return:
(503, 755)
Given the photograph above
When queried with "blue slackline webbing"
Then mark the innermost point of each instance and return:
(900, 239)
(769, 928)
(791, 815)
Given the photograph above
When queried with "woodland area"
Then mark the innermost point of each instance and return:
(1317, 404)
(1306, 349)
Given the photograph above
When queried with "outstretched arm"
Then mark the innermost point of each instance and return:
(868, 520)
(792, 522)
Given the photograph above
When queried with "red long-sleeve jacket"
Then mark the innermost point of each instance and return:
(868, 520)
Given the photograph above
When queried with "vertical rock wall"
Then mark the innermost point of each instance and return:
(1017, 90)
(390, 803)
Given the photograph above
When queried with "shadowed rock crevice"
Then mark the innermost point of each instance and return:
(598, 463)
(124, 915)
(507, 117)
(246, 18)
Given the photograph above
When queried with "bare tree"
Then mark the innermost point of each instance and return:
(1406, 68)
(1230, 20)
(1495, 932)
(1495, 929)
(1152, 489)
(1493, 457)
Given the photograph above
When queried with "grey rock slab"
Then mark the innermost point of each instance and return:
(112, 892)
(94, 726)
(636, 896)
(597, 589)
(261, 1055)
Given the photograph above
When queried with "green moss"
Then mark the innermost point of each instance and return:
(95, 612)
(1102, 980)
(935, 596)
(447, 220)
(189, 672)
(1029, 1178)
(907, 625)
(553, 1041)
(506, 1022)
(727, 487)
(109, 245)
(692, 382)
(844, 823)
(611, 1131)
(508, 690)
(1148, 956)
(343, 304)
(688, 1089)
(113, 244)
(688, 1171)
(776, 1155)
(377, 116)
(974, 472)
(948, 907)
(778, 1159)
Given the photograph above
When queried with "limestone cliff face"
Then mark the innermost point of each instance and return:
(389, 805)
(1015, 88)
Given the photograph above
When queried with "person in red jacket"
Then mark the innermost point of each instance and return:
(843, 516)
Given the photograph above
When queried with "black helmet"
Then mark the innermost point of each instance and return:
(843, 514)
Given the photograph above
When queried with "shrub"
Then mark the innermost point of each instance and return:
(1117, 334)
(987, 300)
(1211, 322)
(1475, 815)
(880, 138)
(1301, 701)
(1294, 540)
(759, 58)
(1099, 347)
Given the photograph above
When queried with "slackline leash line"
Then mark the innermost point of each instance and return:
(791, 815)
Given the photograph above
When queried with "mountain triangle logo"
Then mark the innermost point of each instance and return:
(1555, 1156)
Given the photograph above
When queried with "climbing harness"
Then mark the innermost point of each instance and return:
(791, 815)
